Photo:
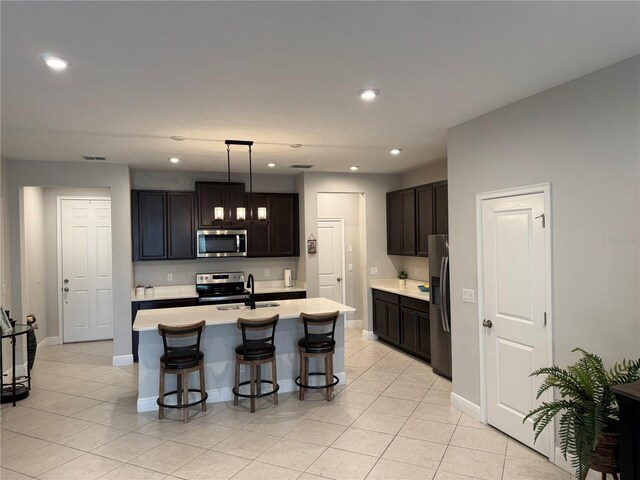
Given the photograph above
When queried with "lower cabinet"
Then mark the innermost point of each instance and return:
(402, 322)
(150, 304)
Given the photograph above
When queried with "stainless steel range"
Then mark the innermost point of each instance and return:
(221, 287)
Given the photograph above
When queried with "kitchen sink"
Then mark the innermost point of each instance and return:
(246, 307)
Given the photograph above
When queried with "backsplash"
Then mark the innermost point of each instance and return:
(416, 267)
(184, 271)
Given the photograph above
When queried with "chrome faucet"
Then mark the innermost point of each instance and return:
(252, 296)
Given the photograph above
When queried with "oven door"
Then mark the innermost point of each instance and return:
(222, 243)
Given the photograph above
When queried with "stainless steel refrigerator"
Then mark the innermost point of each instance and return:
(440, 304)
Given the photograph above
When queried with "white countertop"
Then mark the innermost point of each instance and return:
(175, 292)
(409, 290)
(149, 319)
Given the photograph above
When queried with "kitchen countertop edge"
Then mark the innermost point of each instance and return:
(409, 290)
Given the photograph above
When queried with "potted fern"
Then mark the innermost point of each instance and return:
(587, 410)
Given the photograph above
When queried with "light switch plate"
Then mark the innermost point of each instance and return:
(374, 271)
(468, 296)
(266, 272)
(169, 277)
(350, 267)
(4, 289)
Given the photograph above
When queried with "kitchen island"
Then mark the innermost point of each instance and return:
(220, 338)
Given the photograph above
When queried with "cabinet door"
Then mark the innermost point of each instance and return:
(393, 322)
(394, 223)
(258, 241)
(380, 318)
(441, 208)
(408, 222)
(150, 229)
(424, 218)
(409, 329)
(424, 335)
(218, 194)
(180, 225)
(284, 227)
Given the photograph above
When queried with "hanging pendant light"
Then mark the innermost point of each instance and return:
(241, 212)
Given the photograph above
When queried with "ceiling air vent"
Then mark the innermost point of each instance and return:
(301, 166)
(93, 158)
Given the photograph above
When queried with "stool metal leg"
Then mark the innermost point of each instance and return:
(252, 385)
(202, 387)
(185, 396)
(328, 375)
(274, 378)
(237, 383)
(259, 379)
(301, 391)
(161, 394)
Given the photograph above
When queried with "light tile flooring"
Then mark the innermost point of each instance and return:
(393, 421)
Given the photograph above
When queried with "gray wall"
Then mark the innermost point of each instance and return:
(582, 137)
(74, 174)
(374, 188)
(51, 247)
(429, 173)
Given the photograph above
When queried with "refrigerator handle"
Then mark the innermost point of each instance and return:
(445, 294)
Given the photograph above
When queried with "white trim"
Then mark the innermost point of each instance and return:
(120, 360)
(559, 461)
(148, 404)
(59, 199)
(465, 406)
(544, 188)
(369, 335)
(49, 341)
(353, 323)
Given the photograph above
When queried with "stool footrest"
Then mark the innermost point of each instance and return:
(244, 395)
(184, 405)
(314, 387)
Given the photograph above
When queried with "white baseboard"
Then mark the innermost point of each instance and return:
(120, 360)
(369, 335)
(465, 406)
(353, 323)
(559, 461)
(49, 341)
(148, 404)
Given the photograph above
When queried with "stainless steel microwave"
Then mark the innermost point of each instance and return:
(222, 243)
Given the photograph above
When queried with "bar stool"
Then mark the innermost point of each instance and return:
(317, 342)
(181, 359)
(255, 351)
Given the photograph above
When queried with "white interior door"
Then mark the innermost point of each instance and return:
(86, 270)
(330, 259)
(515, 299)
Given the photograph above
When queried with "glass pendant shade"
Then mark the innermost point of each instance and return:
(262, 213)
(241, 213)
(218, 213)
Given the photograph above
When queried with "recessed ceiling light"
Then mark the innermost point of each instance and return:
(396, 151)
(177, 138)
(55, 62)
(354, 168)
(174, 160)
(296, 145)
(271, 164)
(368, 93)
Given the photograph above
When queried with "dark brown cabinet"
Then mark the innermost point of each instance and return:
(402, 322)
(412, 215)
(401, 223)
(163, 225)
(230, 196)
(278, 235)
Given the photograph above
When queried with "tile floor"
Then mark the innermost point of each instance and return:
(393, 421)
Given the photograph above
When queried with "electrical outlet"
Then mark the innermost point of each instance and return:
(350, 248)
(374, 271)
(266, 272)
(4, 289)
(468, 296)
(350, 267)
(169, 277)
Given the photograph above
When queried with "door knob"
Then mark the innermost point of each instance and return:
(339, 279)
(487, 323)
(66, 289)
(66, 280)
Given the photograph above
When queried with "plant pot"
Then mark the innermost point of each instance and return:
(605, 456)
(402, 282)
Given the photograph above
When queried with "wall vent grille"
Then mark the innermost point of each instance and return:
(93, 158)
(301, 166)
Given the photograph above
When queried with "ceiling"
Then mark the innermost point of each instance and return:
(282, 73)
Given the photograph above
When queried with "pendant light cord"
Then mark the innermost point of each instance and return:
(250, 186)
(229, 181)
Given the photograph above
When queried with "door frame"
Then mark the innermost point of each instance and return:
(544, 188)
(59, 199)
(343, 260)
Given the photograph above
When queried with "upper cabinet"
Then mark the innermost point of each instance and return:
(163, 225)
(412, 215)
(229, 196)
(279, 234)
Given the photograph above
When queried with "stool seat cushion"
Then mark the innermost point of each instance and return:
(179, 360)
(256, 351)
(317, 344)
